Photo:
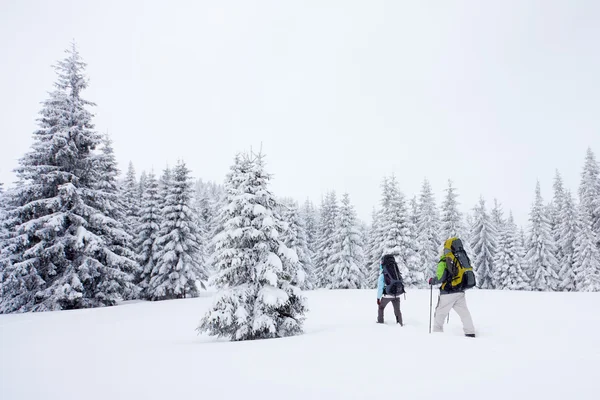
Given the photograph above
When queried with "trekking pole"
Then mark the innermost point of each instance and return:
(430, 304)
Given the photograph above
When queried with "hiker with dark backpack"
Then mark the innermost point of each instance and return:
(389, 288)
(455, 273)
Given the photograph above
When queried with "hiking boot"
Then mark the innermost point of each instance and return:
(469, 334)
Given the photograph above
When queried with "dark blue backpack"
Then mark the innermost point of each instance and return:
(394, 284)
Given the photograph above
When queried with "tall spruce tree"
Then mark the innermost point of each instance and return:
(397, 239)
(541, 248)
(484, 243)
(555, 215)
(508, 271)
(452, 224)
(589, 191)
(310, 218)
(345, 264)
(148, 231)
(109, 203)
(374, 250)
(586, 256)
(142, 187)
(255, 269)
(60, 257)
(566, 233)
(327, 229)
(295, 238)
(180, 257)
(130, 197)
(428, 229)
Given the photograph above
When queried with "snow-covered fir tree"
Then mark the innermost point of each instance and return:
(60, 257)
(586, 256)
(310, 217)
(508, 271)
(208, 201)
(452, 220)
(130, 198)
(142, 187)
(429, 241)
(109, 203)
(589, 190)
(541, 248)
(452, 224)
(565, 238)
(484, 242)
(419, 265)
(295, 238)
(165, 186)
(327, 228)
(148, 231)
(180, 257)
(497, 215)
(374, 250)
(255, 269)
(345, 263)
(396, 233)
(555, 214)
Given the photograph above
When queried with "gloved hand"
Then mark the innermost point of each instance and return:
(430, 281)
(378, 301)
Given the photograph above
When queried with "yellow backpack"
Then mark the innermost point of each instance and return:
(458, 265)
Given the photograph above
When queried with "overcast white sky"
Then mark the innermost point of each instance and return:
(494, 95)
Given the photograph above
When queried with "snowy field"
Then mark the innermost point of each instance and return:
(529, 346)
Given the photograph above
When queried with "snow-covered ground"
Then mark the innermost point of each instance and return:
(529, 346)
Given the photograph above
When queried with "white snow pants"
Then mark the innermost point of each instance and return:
(447, 302)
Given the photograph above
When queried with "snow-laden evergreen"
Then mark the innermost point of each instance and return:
(555, 215)
(142, 187)
(429, 241)
(310, 218)
(497, 215)
(130, 198)
(452, 223)
(541, 248)
(209, 198)
(61, 255)
(484, 242)
(325, 242)
(396, 233)
(565, 236)
(109, 203)
(374, 250)
(180, 258)
(508, 271)
(148, 230)
(586, 256)
(295, 238)
(165, 186)
(589, 190)
(345, 267)
(255, 269)
(452, 220)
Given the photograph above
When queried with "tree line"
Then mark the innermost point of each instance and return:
(75, 235)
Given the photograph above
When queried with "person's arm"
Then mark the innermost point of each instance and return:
(439, 276)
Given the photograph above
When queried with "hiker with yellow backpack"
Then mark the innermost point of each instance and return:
(455, 273)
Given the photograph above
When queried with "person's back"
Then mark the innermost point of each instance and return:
(389, 288)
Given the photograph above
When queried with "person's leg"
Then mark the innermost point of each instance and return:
(384, 301)
(397, 312)
(460, 306)
(445, 303)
